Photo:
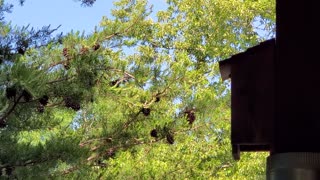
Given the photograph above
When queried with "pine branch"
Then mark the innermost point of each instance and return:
(59, 80)
(23, 164)
(125, 146)
(133, 119)
(117, 82)
(69, 170)
(55, 64)
(123, 32)
(2, 119)
(117, 70)
(159, 45)
(96, 139)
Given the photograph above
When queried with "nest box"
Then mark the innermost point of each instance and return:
(252, 97)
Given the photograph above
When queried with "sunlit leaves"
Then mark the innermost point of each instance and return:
(135, 74)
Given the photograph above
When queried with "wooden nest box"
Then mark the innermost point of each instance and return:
(252, 97)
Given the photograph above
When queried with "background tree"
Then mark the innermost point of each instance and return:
(138, 98)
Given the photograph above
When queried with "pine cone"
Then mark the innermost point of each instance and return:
(44, 100)
(72, 103)
(65, 52)
(27, 96)
(9, 170)
(146, 111)
(191, 117)
(154, 133)
(170, 138)
(96, 47)
(11, 92)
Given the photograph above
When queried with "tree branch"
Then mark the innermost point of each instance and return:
(2, 119)
(59, 80)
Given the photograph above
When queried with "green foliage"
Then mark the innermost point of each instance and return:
(84, 106)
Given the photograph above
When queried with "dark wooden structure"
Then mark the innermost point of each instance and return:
(276, 95)
(276, 86)
(252, 101)
(297, 82)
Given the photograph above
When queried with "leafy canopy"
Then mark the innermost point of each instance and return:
(141, 97)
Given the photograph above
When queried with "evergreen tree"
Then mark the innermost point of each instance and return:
(139, 98)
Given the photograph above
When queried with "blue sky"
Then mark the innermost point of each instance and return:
(67, 13)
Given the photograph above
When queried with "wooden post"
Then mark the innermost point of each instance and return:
(295, 152)
(297, 88)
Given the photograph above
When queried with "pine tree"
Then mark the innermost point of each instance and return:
(82, 106)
